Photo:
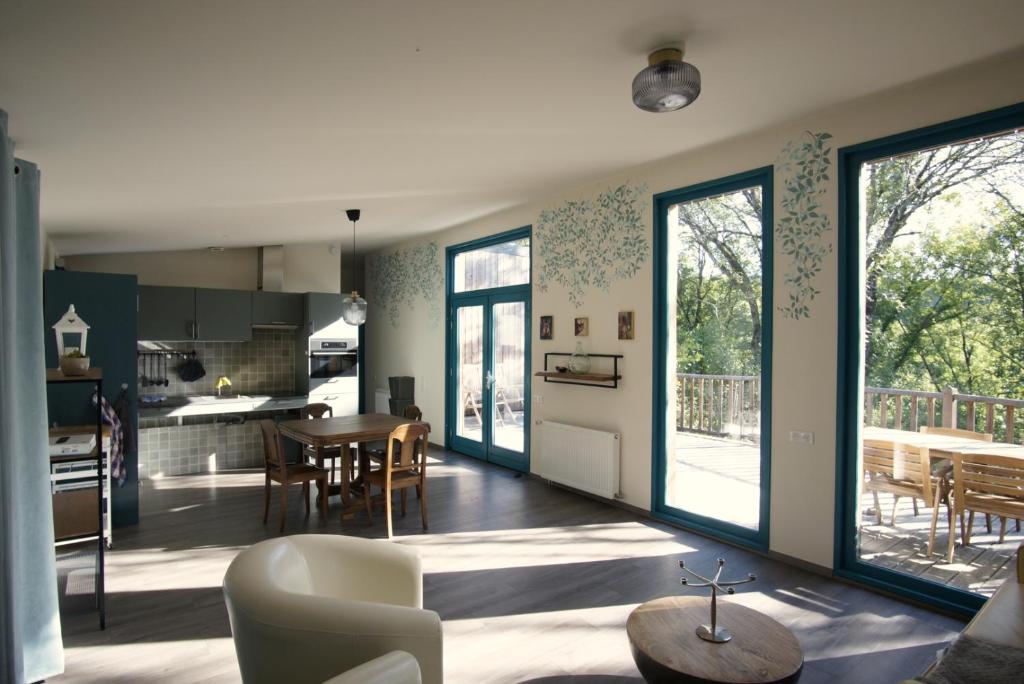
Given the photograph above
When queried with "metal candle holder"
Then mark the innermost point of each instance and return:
(712, 632)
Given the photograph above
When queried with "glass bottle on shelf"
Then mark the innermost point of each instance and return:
(579, 362)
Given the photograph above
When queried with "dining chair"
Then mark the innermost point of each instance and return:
(403, 467)
(332, 454)
(279, 470)
(897, 469)
(964, 434)
(411, 412)
(985, 483)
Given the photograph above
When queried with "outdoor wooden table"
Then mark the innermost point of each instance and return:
(322, 433)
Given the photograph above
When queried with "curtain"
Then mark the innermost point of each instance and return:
(30, 640)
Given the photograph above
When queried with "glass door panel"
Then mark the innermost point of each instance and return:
(509, 376)
(715, 320)
(469, 370)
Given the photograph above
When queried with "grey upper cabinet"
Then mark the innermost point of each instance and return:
(277, 308)
(167, 313)
(223, 315)
(322, 309)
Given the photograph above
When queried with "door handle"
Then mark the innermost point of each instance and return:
(489, 378)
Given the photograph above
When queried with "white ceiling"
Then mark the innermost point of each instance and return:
(177, 124)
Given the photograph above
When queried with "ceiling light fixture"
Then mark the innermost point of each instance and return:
(353, 307)
(667, 84)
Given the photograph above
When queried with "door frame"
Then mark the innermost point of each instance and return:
(488, 297)
(850, 331)
(664, 336)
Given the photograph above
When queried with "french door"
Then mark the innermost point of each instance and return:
(488, 379)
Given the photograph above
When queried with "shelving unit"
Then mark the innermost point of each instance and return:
(100, 533)
(606, 380)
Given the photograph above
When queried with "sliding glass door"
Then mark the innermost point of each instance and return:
(931, 339)
(489, 349)
(712, 356)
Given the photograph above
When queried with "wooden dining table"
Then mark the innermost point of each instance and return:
(942, 451)
(322, 434)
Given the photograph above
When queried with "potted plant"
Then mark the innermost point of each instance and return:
(73, 362)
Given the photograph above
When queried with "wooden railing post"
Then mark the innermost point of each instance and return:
(949, 407)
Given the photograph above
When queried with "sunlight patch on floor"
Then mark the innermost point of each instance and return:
(492, 549)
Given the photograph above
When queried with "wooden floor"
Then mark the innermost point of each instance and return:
(533, 584)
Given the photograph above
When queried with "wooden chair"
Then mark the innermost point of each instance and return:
(964, 434)
(897, 469)
(404, 466)
(319, 410)
(411, 412)
(278, 470)
(986, 483)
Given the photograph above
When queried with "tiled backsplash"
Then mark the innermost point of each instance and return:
(265, 365)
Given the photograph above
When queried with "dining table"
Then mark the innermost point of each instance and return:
(322, 434)
(942, 451)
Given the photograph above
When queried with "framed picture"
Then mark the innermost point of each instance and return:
(626, 329)
(547, 327)
(582, 327)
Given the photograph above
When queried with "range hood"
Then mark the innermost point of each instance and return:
(270, 268)
(270, 278)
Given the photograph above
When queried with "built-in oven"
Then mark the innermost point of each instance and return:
(334, 374)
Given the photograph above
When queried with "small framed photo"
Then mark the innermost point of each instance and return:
(547, 327)
(582, 327)
(627, 331)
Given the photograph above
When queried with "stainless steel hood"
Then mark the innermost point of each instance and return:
(270, 268)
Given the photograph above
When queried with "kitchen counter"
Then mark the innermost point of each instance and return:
(208, 405)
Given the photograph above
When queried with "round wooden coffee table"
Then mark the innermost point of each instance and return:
(666, 648)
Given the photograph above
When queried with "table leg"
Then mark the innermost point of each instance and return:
(346, 468)
(321, 491)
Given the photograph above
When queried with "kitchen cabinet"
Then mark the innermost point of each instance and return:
(277, 308)
(322, 310)
(223, 315)
(167, 313)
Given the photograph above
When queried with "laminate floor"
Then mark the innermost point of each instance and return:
(533, 584)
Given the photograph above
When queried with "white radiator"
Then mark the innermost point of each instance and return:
(582, 458)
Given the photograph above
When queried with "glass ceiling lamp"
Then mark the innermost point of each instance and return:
(667, 84)
(353, 307)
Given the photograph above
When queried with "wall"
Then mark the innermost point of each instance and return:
(411, 341)
(308, 267)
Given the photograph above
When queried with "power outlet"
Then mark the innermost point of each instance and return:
(538, 398)
(801, 437)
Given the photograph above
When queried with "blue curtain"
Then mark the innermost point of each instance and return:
(30, 641)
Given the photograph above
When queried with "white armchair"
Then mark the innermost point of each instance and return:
(305, 607)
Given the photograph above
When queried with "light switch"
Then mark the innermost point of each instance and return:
(538, 399)
(801, 437)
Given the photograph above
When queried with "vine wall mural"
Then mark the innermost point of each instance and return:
(801, 231)
(396, 279)
(592, 242)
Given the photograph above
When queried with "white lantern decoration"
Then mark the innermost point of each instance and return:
(71, 324)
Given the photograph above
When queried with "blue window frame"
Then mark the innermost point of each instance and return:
(664, 335)
(850, 351)
(487, 298)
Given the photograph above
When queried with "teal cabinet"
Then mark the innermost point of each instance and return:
(167, 314)
(322, 310)
(277, 308)
(223, 315)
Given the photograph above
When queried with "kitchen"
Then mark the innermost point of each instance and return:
(210, 362)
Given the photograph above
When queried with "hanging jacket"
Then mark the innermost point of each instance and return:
(116, 455)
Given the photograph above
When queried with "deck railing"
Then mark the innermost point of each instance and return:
(730, 406)
(910, 409)
(725, 405)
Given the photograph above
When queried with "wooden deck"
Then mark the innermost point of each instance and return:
(719, 477)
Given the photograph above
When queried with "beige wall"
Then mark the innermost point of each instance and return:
(307, 267)
(804, 359)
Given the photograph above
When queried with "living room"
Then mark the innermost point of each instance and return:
(768, 315)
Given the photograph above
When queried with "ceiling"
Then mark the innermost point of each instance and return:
(184, 124)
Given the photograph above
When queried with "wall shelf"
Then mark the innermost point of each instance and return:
(607, 380)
